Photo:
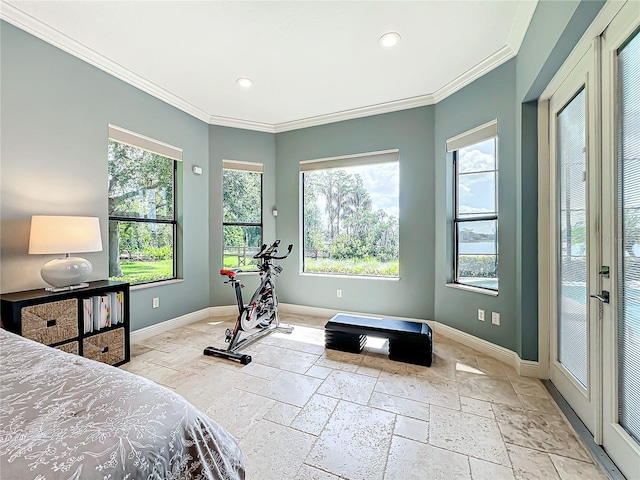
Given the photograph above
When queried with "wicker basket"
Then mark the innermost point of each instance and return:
(71, 347)
(107, 347)
(51, 322)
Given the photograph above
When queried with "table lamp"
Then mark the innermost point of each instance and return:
(65, 235)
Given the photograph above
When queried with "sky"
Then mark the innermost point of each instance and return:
(476, 191)
(382, 181)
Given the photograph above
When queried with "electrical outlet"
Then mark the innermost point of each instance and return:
(481, 315)
(156, 302)
(495, 318)
(339, 293)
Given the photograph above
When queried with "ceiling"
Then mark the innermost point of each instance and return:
(312, 62)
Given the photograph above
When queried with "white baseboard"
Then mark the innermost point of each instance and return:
(327, 312)
(526, 368)
(147, 332)
(181, 321)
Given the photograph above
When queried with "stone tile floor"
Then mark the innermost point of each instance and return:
(305, 413)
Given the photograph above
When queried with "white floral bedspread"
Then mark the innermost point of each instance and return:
(67, 417)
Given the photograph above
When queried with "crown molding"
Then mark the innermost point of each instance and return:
(378, 109)
(244, 124)
(26, 22)
(35, 27)
(503, 55)
(521, 22)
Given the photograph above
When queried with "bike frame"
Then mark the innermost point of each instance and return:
(266, 287)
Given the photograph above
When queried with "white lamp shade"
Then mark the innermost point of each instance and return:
(62, 234)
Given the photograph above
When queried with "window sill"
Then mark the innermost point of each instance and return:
(142, 286)
(469, 288)
(351, 277)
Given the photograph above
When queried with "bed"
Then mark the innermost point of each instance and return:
(66, 417)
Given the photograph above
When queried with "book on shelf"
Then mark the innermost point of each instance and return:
(87, 308)
(96, 313)
(103, 311)
(114, 309)
(120, 307)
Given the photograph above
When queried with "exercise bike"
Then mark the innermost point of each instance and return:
(262, 310)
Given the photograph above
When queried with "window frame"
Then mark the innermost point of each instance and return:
(487, 131)
(335, 163)
(122, 136)
(253, 167)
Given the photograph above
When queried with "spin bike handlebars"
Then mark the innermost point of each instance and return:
(267, 253)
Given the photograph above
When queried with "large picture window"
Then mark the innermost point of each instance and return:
(351, 212)
(142, 208)
(242, 213)
(475, 222)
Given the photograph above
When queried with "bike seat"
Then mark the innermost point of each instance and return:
(229, 273)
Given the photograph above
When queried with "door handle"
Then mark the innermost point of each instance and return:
(603, 297)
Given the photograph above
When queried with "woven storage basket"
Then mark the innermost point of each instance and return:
(51, 322)
(71, 347)
(107, 347)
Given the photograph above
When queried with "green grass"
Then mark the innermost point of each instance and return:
(352, 267)
(232, 261)
(141, 272)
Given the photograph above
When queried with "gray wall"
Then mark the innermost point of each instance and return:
(491, 96)
(245, 145)
(505, 93)
(54, 114)
(553, 33)
(508, 93)
(411, 131)
(55, 110)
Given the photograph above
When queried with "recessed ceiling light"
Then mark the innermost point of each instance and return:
(389, 39)
(245, 82)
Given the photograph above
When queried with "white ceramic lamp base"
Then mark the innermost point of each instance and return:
(66, 273)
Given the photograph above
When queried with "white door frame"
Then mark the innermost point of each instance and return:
(585, 400)
(623, 450)
(600, 23)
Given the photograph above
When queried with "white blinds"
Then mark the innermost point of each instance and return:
(384, 156)
(628, 130)
(136, 140)
(243, 166)
(473, 136)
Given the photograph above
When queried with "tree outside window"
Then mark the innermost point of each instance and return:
(351, 220)
(242, 214)
(142, 218)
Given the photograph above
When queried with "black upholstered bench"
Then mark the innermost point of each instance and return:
(409, 342)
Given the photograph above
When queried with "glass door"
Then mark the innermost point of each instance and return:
(574, 323)
(621, 238)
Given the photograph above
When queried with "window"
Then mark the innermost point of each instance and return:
(142, 208)
(350, 213)
(242, 213)
(475, 220)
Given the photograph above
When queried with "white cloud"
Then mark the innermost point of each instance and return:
(382, 181)
(475, 161)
